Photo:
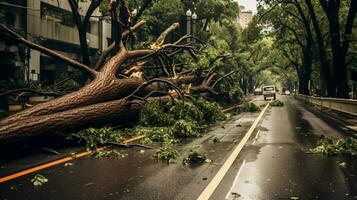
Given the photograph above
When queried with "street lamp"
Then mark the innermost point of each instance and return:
(188, 27)
(194, 19)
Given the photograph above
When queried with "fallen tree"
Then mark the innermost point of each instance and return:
(118, 87)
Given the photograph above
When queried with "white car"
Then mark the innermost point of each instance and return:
(287, 92)
(269, 91)
(258, 91)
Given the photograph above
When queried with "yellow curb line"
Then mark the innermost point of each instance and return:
(211, 187)
(57, 162)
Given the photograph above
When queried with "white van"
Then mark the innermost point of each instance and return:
(269, 91)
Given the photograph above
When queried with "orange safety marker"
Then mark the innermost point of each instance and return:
(57, 162)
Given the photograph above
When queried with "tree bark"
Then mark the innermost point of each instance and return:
(92, 115)
(325, 65)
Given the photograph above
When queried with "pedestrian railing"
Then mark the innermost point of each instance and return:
(348, 106)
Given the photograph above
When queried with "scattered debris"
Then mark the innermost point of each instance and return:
(216, 140)
(277, 103)
(262, 105)
(249, 107)
(51, 151)
(68, 164)
(109, 153)
(38, 180)
(343, 164)
(96, 137)
(166, 153)
(235, 195)
(195, 158)
(88, 184)
(342, 146)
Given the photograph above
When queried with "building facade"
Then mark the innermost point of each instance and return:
(244, 17)
(50, 24)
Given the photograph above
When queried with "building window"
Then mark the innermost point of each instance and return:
(55, 14)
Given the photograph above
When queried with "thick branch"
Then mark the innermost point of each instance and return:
(164, 34)
(111, 47)
(223, 77)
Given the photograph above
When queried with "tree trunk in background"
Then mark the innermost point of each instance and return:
(325, 65)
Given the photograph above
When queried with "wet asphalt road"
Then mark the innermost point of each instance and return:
(274, 164)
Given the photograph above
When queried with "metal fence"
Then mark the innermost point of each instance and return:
(348, 106)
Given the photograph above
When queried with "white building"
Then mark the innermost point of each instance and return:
(244, 17)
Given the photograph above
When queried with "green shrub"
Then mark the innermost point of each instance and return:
(342, 146)
(277, 103)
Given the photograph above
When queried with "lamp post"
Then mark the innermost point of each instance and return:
(188, 24)
(194, 19)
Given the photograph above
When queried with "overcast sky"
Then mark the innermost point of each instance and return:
(248, 4)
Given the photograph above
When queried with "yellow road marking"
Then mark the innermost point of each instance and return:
(57, 162)
(211, 187)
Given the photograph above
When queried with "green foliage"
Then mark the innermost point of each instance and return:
(39, 180)
(162, 14)
(195, 158)
(186, 110)
(109, 153)
(154, 115)
(277, 103)
(185, 129)
(166, 153)
(250, 107)
(157, 134)
(181, 120)
(95, 138)
(211, 111)
(343, 146)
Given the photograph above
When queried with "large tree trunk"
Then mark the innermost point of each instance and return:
(339, 48)
(113, 112)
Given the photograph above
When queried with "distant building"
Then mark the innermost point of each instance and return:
(244, 17)
(49, 23)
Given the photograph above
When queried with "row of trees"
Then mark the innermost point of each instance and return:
(316, 39)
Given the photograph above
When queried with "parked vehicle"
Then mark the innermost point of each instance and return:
(258, 91)
(269, 91)
(287, 92)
